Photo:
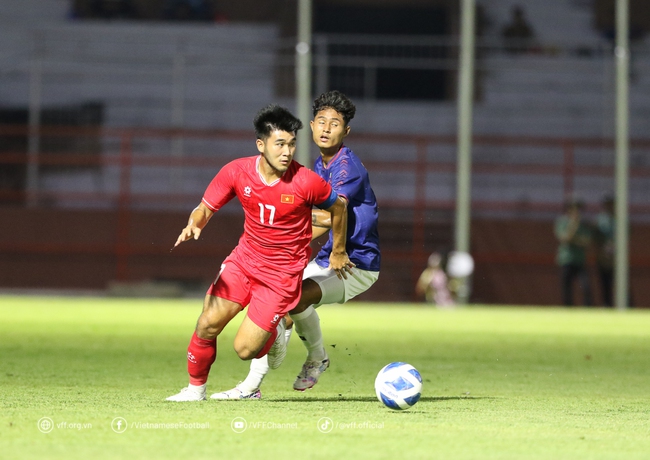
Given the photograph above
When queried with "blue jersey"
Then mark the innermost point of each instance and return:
(349, 178)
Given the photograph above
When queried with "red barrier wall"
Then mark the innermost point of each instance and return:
(46, 248)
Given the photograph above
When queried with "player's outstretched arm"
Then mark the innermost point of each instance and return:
(339, 260)
(198, 219)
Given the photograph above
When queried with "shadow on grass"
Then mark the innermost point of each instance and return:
(372, 398)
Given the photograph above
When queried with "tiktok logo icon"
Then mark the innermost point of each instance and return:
(325, 424)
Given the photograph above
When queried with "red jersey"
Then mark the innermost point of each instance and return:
(277, 225)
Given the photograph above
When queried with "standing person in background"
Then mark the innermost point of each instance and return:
(605, 250)
(434, 282)
(604, 241)
(574, 237)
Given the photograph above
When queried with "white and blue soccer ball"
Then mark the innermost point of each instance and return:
(398, 385)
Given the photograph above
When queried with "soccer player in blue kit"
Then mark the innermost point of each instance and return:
(340, 167)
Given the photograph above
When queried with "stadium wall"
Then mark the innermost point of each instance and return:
(72, 249)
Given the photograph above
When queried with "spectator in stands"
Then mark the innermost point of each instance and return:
(518, 35)
(113, 9)
(188, 10)
(434, 282)
(574, 236)
(604, 241)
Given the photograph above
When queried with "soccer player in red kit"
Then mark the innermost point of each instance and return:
(264, 271)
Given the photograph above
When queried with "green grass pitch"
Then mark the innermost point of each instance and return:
(498, 383)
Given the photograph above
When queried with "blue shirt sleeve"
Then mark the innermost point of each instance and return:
(347, 181)
(329, 202)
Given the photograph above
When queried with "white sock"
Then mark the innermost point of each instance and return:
(259, 368)
(307, 326)
(287, 334)
(198, 388)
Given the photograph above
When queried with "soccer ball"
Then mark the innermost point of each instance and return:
(460, 264)
(398, 386)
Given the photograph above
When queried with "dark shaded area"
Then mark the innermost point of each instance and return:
(389, 83)
(605, 18)
(167, 10)
(13, 176)
(366, 19)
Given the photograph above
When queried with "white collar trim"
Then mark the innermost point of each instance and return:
(257, 168)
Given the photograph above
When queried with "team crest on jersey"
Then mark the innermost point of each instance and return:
(286, 199)
(247, 191)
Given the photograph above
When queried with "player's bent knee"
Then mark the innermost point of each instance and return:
(212, 322)
(215, 316)
(206, 329)
(244, 351)
(250, 339)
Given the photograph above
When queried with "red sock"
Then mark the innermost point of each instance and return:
(269, 343)
(201, 353)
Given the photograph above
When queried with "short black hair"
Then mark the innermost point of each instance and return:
(335, 100)
(275, 118)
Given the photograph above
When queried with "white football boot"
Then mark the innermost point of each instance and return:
(238, 393)
(189, 393)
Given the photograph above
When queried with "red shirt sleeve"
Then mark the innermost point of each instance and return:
(316, 190)
(221, 189)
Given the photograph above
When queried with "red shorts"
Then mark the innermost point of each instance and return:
(270, 294)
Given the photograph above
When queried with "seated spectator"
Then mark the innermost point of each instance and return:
(518, 34)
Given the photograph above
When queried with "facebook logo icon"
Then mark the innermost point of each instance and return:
(119, 425)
